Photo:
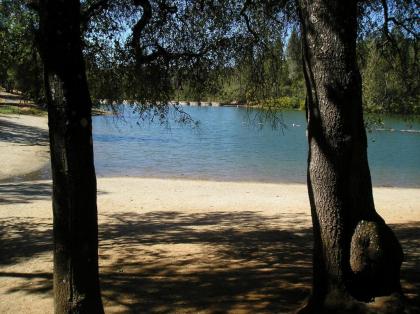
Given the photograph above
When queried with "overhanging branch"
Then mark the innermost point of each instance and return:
(138, 29)
(94, 9)
(388, 19)
(246, 18)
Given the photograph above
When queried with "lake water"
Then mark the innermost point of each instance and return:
(231, 145)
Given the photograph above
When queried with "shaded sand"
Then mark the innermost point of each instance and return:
(178, 246)
(23, 145)
(13, 99)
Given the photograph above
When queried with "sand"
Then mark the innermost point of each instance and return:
(180, 246)
(23, 145)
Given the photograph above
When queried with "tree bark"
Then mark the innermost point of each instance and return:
(76, 280)
(356, 255)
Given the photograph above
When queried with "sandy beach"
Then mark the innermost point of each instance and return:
(23, 145)
(176, 246)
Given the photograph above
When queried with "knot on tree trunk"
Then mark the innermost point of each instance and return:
(366, 251)
(375, 259)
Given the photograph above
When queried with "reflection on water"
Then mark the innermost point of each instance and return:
(231, 144)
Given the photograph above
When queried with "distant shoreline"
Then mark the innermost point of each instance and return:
(185, 103)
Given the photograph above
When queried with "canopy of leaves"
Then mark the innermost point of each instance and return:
(155, 51)
(20, 67)
(152, 52)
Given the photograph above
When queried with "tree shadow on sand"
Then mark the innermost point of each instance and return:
(23, 238)
(24, 192)
(210, 262)
(214, 262)
(22, 134)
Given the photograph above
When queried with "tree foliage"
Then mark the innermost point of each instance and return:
(391, 87)
(20, 66)
(156, 51)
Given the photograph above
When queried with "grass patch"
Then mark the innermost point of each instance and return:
(12, 109)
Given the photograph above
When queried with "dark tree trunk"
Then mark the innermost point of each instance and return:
(76, 283)
(356, 256)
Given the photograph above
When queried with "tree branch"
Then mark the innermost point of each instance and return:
(246, 18)
(159, 51)
(33, 5)
(94, 9)
(386, 19)
(162, 52)
(392, 19)
(402, 25)
(138, 29)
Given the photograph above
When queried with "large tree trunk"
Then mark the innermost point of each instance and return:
(356, 256)
(76, 283)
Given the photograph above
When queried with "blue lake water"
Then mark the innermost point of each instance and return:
(230, 144)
